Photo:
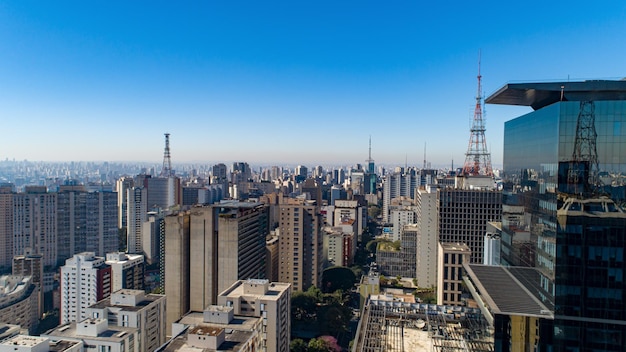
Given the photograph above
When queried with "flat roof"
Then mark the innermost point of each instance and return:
(541, 94)
(510, 290)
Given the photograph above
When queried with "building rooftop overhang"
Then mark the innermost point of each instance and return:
(542, 94)
(509, 290)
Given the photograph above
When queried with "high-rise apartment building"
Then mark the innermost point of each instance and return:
(175, 264)
(20, 300)
(152, 237)
(137, 207)
(85, 280)
(122, 186)
(465, 210)
(31, 265)
(339, 246)
(564, 163)
(220, 174)
(427, 236)
(6, 227)
(398, 184)
(301, 245)
(400, 217)
(35, 224)
(86, 222)
(225, 242)
(127, 271)
(162, 192)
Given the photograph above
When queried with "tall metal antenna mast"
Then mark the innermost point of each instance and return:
(166, 171)
(478, 158)
(424, 156)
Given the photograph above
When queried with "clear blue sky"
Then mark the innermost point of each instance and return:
(282, 82)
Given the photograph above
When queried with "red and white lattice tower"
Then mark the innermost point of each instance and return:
(478, 158)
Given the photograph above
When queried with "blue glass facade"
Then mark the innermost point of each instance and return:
(579, 246)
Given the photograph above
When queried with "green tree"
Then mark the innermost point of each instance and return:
(373, 211)
(357, 270)
(371, 246)
(303, 306)
(336, 318)
(338, 278)
(317, 345)
(298, 345)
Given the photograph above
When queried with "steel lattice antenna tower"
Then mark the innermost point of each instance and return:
(585, 151)
(166, 171)
(478, 158)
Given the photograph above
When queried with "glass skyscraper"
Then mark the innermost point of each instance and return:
(565, 166)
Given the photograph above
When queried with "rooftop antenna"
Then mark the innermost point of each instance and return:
(424, 155)
(166, 171)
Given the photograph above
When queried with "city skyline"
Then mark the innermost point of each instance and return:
(283, 84)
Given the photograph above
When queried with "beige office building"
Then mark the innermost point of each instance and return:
(427, 236)
(221, 244)
(176, 267)
(301, 245)
(450, 281)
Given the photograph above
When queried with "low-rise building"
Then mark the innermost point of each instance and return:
(136, 309)
(26, 343)
(269, 301)
(97, 335)
(215, 329)
(450, 272)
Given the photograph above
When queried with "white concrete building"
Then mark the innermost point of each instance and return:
(26, 343)
(399, 218)
(270, 301)
(135, 309)
(127, 271)
(98, 335)
(85, 280)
